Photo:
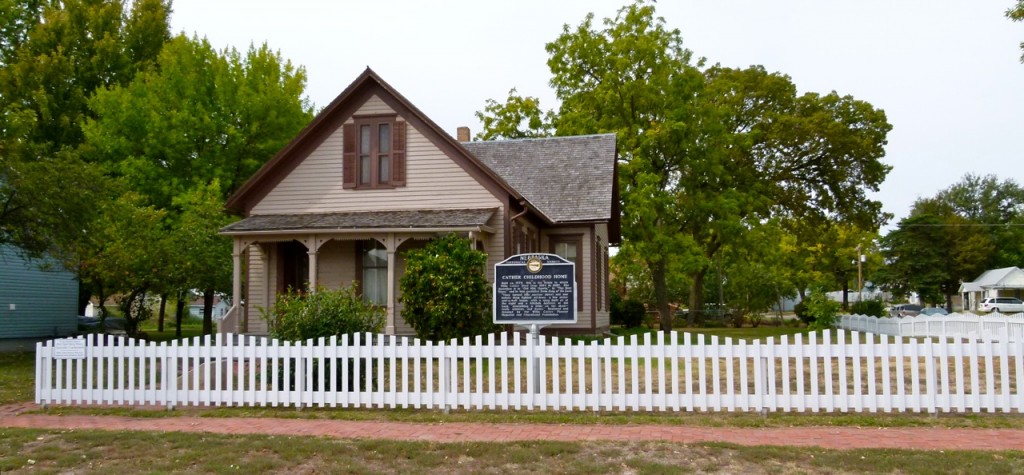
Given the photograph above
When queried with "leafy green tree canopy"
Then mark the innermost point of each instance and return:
(708, 154)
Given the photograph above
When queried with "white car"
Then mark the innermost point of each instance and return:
(1001, 305)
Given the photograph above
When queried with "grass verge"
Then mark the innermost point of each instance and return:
(17, 377)
(31, 451)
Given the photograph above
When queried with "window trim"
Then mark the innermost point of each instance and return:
(352, 146)
(362, 247)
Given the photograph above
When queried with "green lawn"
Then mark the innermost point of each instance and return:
(745, 333)
(17, 377)
(190, 327)
(89, 451)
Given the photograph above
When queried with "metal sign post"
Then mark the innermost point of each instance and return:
(535, 290)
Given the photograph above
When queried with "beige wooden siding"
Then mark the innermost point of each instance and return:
(494, 244)
(584, 258)
(433, 181)
(336, 266)
(257, 290)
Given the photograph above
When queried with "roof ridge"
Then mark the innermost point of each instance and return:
(539, 139)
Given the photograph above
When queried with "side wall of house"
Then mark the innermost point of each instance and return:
(585, 259)
(35, 302)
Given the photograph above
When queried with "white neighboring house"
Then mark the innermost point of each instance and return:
(220, 307)
(1005, 282)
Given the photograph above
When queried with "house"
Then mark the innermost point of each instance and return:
(1005, 282)
(372, 176)
(36, 299)
(220, 307)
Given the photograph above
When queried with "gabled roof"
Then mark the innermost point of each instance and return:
(562, 180)
(333, 116)
(568, 179)
(1005, 278)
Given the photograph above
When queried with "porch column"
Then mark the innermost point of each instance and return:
(389, 328)
(312, 249)
(236, 281)
(312, 269)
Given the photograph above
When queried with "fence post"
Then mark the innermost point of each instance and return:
(763, 387)
(42, 375)
(445, 380)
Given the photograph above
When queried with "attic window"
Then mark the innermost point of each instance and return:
(374, 152)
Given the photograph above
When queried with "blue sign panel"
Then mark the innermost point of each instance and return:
(534, 289)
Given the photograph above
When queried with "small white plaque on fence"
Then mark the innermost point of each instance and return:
(69, 349)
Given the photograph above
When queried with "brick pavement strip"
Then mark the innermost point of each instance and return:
(826, 437)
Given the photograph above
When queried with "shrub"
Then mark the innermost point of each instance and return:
(444, 290)
(627, 312)
(822, 310)
(300, 316)
(874, 308)
(800, 309)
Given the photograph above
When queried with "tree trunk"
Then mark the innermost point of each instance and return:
(160, 318)
(846, 296)
(84, 294)
(208, 311)
(661, 294)
(179, 313)
(696, 314)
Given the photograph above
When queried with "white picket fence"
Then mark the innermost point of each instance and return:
(955, 325)
(830, 371)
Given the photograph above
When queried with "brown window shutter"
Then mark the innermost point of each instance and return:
(398, 154)
(348, 157)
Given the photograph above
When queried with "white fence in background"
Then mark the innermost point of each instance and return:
(955, 325)
(830, 371)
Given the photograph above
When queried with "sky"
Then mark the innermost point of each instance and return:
(946, 72)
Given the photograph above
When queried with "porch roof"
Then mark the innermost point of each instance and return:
(415, 219)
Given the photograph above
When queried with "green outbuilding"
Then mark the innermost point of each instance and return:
(36, 299)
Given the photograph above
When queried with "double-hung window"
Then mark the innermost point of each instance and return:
(374, 152)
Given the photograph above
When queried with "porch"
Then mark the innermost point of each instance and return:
(274, 253)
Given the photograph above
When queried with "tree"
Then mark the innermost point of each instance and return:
(200, 116)
(989, 207)
(20, 16)
(55, 55)
(129, 254)
(1016, 13)
(445, 293)
(706, 153)
(519, 117)
(756, 272)
(204, 258)
(953, 237)
(189, 132)
(832, 251)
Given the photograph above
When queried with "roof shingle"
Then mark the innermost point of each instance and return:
(400, 219)
(566, 178)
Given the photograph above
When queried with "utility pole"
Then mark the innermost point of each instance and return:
(860, 275)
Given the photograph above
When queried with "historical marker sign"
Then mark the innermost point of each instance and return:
(534, 289)
(69, 349)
